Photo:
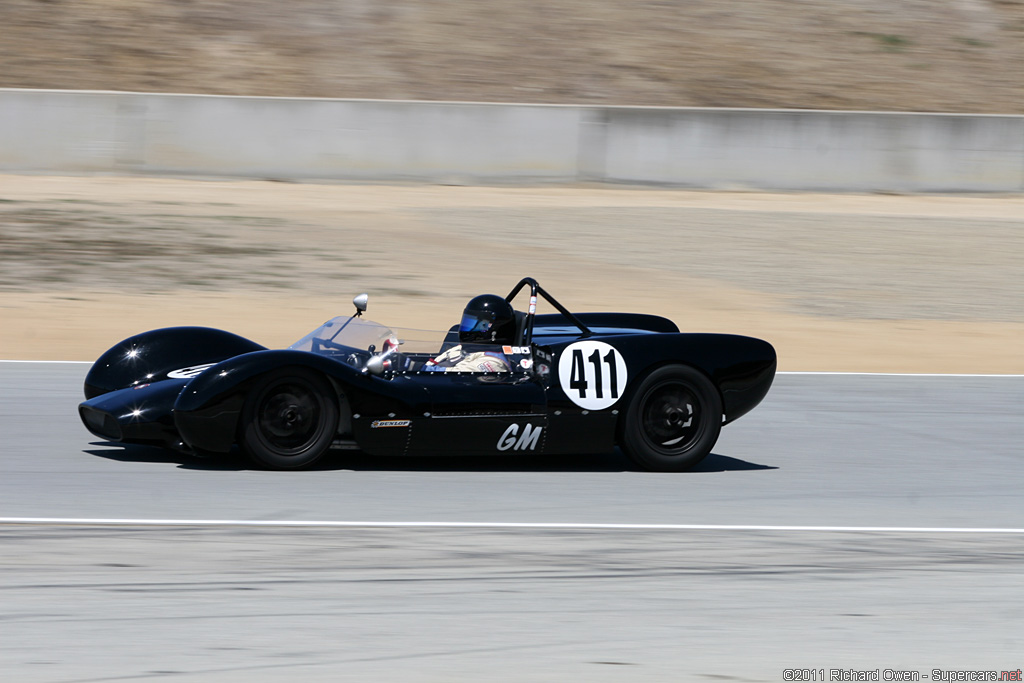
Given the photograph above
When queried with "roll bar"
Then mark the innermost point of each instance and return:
(536, 289)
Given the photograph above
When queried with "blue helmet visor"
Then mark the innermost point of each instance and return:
(471, 323)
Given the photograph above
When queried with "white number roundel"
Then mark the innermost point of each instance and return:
(592, 374)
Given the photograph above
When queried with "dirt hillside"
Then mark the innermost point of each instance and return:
(921, 55)
(928, 284)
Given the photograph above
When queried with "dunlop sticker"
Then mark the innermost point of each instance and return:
(376, 424)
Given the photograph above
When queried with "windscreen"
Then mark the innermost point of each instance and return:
(347, 333)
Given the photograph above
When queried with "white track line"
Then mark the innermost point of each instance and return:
(63, 521)
(81, 362)
(893, 374)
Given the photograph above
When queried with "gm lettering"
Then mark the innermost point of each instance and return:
(527, 441)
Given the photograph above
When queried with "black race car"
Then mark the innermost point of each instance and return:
(567, 383)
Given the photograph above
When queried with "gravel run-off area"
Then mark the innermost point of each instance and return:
(837, 282)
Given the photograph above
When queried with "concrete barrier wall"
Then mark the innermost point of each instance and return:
(79, 132)
(815, 150)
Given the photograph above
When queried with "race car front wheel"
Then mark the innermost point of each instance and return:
(673, 419)
(289, 419)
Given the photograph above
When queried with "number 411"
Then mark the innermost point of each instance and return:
(578, 375)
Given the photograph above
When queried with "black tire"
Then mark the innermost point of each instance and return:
(289, 419)
(672, 420)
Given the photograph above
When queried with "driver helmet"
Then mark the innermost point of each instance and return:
(488, 319)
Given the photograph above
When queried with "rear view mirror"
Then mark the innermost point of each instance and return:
(360, 303)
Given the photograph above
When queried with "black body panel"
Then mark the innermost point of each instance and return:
(742, 368)
(572, 430)
(139, 414)
(623, 321)
(481, 410)
(149, 356)
(207, 412)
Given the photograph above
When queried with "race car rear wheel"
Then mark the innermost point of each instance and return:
(673, 419)
(289, 419)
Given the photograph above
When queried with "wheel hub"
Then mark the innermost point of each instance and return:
(291, 415)
(668, 416)
(288, 417)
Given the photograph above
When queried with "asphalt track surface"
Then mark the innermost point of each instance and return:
(851, 521)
